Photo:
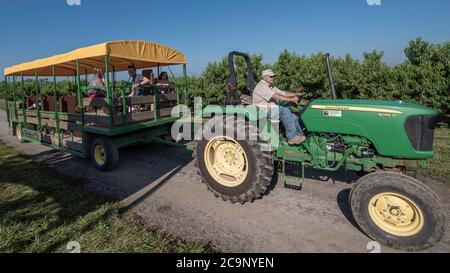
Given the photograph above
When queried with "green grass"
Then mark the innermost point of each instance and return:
(439, 166)
(41, 211)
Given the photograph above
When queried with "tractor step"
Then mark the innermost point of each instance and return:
(293, 182)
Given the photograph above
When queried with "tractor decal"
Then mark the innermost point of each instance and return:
(354, 108)
(332, 113)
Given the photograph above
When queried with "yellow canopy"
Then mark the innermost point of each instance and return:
(121, 54)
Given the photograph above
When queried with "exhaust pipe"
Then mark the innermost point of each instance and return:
(330, 75)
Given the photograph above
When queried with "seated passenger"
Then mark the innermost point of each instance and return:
(266, 94)
(164, 85)
(137, 81)
(96, 88)
(148, 73)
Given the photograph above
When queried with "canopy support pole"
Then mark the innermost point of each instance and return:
(56, 103)
(177, 90)
(14, 97)
(38, 100)
(113, 78)
(78, 82)
(24, 103)
(155, 107)
(80, 104)
(7, 101)
(171, 72)
(185, 83)
(108, 93)
(86, 79)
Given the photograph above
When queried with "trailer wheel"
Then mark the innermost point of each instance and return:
(397, 211)
(19, 133)
(104, 154)
(235, 170)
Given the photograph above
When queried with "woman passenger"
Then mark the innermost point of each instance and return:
(164, 85)
(96, 88)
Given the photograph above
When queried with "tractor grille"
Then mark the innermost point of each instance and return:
(420, 130)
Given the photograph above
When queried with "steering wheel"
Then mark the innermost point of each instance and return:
(306, 97)
(304, 101)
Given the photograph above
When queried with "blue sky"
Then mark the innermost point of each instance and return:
(206, 30)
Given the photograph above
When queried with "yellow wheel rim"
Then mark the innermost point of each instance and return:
(19, 133)
(226, 161)
(396, 214)
(99, 155)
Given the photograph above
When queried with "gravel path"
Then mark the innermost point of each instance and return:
(161, 184)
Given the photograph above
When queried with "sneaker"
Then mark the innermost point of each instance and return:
(297, 140)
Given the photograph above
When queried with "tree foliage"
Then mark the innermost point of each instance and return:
(211, 86)
(423, 78)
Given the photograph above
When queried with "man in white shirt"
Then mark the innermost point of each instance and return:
(266, 95)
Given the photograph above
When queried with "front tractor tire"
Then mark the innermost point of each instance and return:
(398, 211)
(104, 154)
(238, 171)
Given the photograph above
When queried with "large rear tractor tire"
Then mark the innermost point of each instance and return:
(398, 211)
(235, 170)
(104, 154)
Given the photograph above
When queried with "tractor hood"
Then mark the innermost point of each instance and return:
(395, 128)
(376, 104)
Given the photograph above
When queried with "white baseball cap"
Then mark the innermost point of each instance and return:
(269, 73)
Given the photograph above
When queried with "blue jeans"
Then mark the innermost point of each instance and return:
(141, 92)
(290, 123)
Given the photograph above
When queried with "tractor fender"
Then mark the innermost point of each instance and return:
(268, 130)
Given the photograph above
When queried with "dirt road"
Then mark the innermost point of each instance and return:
(161, 184)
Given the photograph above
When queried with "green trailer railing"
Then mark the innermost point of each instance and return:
(75, 123)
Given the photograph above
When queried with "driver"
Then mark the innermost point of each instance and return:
(266, 95)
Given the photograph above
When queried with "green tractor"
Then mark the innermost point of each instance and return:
(384, 142)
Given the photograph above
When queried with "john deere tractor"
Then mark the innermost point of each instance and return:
(384, 142)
